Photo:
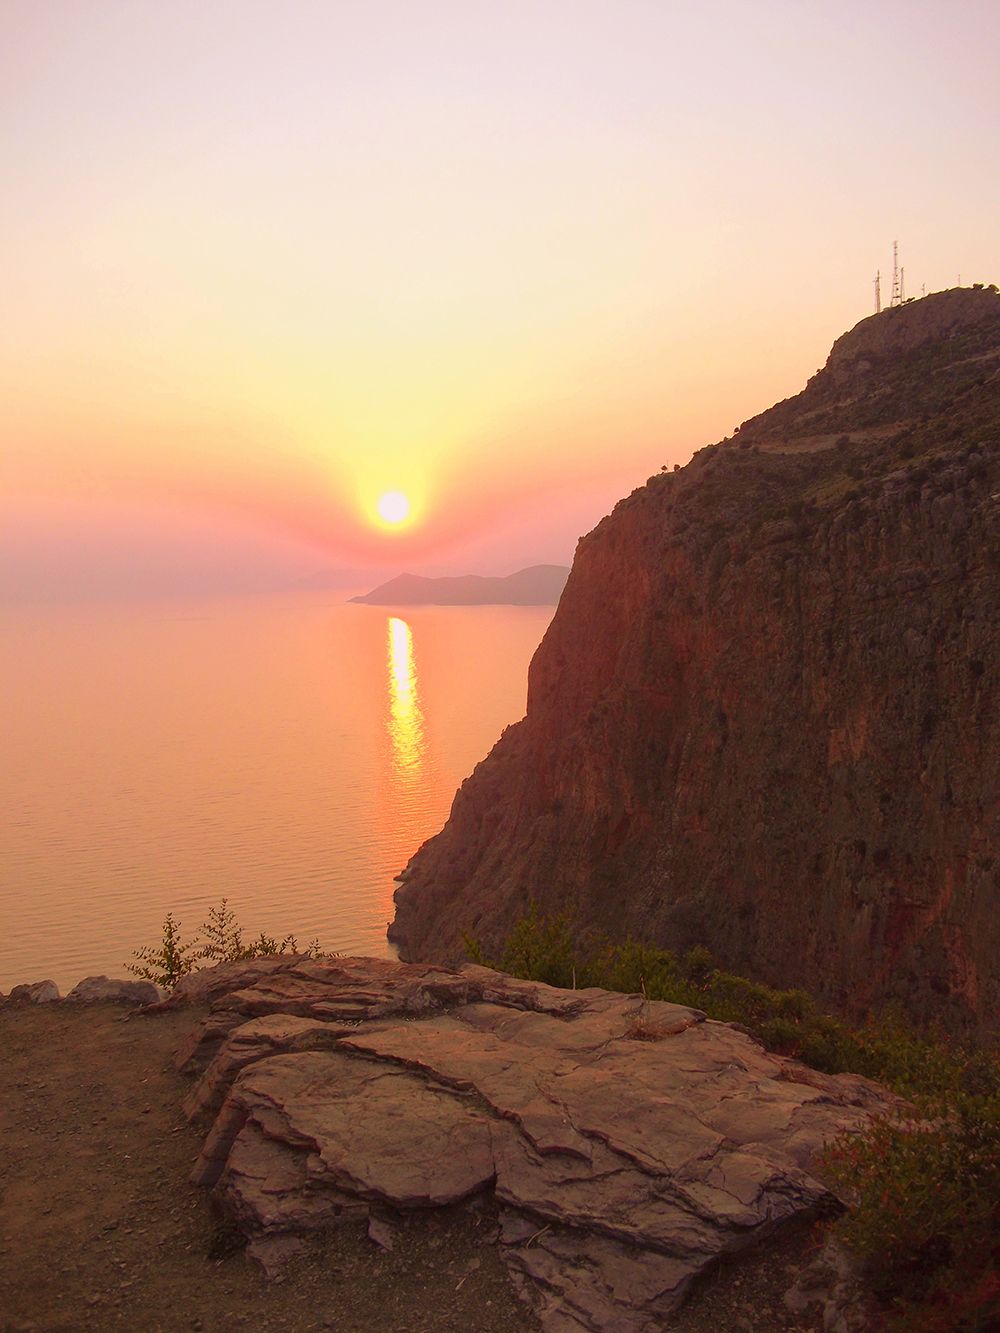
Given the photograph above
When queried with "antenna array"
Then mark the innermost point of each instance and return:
(897, 277)
(898, 296)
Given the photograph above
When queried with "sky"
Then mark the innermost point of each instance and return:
(263, 262)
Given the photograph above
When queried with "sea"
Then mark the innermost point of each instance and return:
(288, 753)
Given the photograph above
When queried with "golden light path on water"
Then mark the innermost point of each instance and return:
(297, 785)
(406, 720)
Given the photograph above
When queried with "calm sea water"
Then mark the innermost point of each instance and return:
(289, 753)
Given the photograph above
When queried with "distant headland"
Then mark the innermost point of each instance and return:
(539, 585)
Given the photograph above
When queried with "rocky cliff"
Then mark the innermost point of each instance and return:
(766, 715)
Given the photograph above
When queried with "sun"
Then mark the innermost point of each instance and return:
(393, 508)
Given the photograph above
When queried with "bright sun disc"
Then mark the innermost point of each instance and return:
(393, 507)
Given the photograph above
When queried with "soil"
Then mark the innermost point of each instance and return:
(100, 1229)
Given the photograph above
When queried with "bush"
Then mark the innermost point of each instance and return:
(925, 1213)
(547, 949)
(221, 942)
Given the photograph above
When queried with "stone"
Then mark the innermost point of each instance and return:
(320, 1123)
(832, 1283)
(93, 989)
(203, 985)
(35, 992)
(253, 1041)
(272, 1253)
(342, 990)
(622, 1169)
(381, 1233)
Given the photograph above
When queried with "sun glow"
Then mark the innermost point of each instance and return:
(393, 508)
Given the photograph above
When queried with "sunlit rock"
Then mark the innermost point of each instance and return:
(622, 1168)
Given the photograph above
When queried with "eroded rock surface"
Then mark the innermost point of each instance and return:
(622, 1168)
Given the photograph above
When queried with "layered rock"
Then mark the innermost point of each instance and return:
(766, 715)
(622, 1168)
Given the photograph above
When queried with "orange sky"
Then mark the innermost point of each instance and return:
(263, 262)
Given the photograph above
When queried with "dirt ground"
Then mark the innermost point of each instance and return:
(100, 1229)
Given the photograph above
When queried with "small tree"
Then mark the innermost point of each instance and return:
(221, 942)
(169, 962)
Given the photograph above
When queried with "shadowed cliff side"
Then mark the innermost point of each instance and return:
(765, 715)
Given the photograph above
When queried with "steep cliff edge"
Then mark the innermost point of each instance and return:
(766, 715)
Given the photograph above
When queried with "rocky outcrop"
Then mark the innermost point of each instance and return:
(92, 989)
(628, 1145)
(35, 992)
(766, 715)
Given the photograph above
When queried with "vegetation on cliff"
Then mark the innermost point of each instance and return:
(923, 1185)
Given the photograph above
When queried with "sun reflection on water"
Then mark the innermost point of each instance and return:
(406, 720)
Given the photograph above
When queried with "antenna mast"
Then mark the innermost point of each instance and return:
(897, 285)
(878, 292)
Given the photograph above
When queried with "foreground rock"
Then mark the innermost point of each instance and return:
(91, 990)
(629, 1144)
(35, 992)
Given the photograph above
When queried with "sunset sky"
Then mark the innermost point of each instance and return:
(264, 262)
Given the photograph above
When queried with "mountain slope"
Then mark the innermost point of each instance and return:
(538, 585)
(766, 715)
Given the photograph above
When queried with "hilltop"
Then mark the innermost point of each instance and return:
(766, 715)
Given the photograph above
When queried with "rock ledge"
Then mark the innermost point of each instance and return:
(622, 1168)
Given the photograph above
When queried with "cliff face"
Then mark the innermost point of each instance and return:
(766, 716)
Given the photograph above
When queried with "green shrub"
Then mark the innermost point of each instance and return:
(167, 963)
(925, 1213)
(547, 949)
(221, 942)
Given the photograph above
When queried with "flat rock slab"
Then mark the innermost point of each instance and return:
(623, 1167)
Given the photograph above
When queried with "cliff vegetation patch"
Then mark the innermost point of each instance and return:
(923, 1186)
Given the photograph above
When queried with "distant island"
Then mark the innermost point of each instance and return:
(539, 585)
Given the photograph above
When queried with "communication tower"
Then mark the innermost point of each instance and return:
(897, 277)
(878, 292)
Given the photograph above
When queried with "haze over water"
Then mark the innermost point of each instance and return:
(288, 752)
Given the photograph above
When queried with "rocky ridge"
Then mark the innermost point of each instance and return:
(627, 1145)
(766, 715)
